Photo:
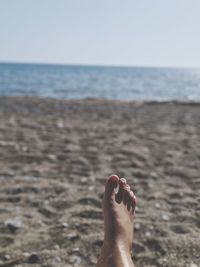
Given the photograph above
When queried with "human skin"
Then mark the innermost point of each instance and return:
(118, 211)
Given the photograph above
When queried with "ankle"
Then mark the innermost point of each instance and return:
(116, 248)
(115, 256)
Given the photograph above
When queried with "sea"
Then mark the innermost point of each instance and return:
(80, 82)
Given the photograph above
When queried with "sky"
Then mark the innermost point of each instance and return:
(101, 32)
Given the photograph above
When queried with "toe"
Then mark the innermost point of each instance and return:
(119, 195)
(111, 184)
(126, 189)
(132, 201)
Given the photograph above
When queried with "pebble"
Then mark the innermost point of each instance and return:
(60, 124)
(192, 265)
(33, 258)
(165, 217)
(7, 257)
(57, 247)
(137, 226)
(151, 227)
(157, 205)
(76, 249)
(13, 224)
(91, 188)
(26, 254)
(84, 180)
(58, 259)
(154, 175)
(52, 157)
(75, 259)
(65, 225)
(72, 236)
(147, 234)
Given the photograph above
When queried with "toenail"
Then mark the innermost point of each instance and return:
(113, 178)
(122, 181)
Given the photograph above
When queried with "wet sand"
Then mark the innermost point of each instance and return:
(54, 158)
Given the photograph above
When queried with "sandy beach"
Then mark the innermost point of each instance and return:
(54, 158)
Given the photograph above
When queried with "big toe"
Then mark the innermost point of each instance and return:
(111, 184)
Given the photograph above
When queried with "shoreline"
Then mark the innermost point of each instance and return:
(94, 99)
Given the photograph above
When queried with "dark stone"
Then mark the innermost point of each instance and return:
(33, 258)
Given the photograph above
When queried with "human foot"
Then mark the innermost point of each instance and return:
(118, 211)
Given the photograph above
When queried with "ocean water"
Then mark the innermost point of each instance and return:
(78, 82)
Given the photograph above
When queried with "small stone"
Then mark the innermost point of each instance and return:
(165, 217)
(193, 264)
(46, 202)
(157, 205)
(137, 226)
(154, 175)
(136, 209)
(72, 236)
(147, 234)
(76, 249)
(65, 225)
(7, 257)
(84, 180)
(60, 124)
(91, 188)
(13, 224)
(24, 148)
(58, 259)
(151, 227)
(57, 247)
(52, 157)
(75, 259)
(26, 254)
(33, 258)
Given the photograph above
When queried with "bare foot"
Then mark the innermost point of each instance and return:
(118, 211)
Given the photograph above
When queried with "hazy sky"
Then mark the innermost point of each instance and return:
(111, 32)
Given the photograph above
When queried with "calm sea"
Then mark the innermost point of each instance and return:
(77, 82)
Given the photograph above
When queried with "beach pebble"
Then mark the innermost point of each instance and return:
(52, 157)
(192, 265)
(90, 188)
(25, 149)
(56, 247)
(76, 249)
(154, 175)
(7, 257)
(164, 217)
(137, 226)
(75, 259)
(84, 180)
(64, 224)
(33, 258)
(147, 234)
(58, 259)
(151, 227)
(26, 254)
(60, 124)
(13, 225)
(157, 205)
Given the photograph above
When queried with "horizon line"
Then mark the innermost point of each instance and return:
(98, 65)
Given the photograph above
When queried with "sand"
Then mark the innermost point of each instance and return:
(54, 158)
